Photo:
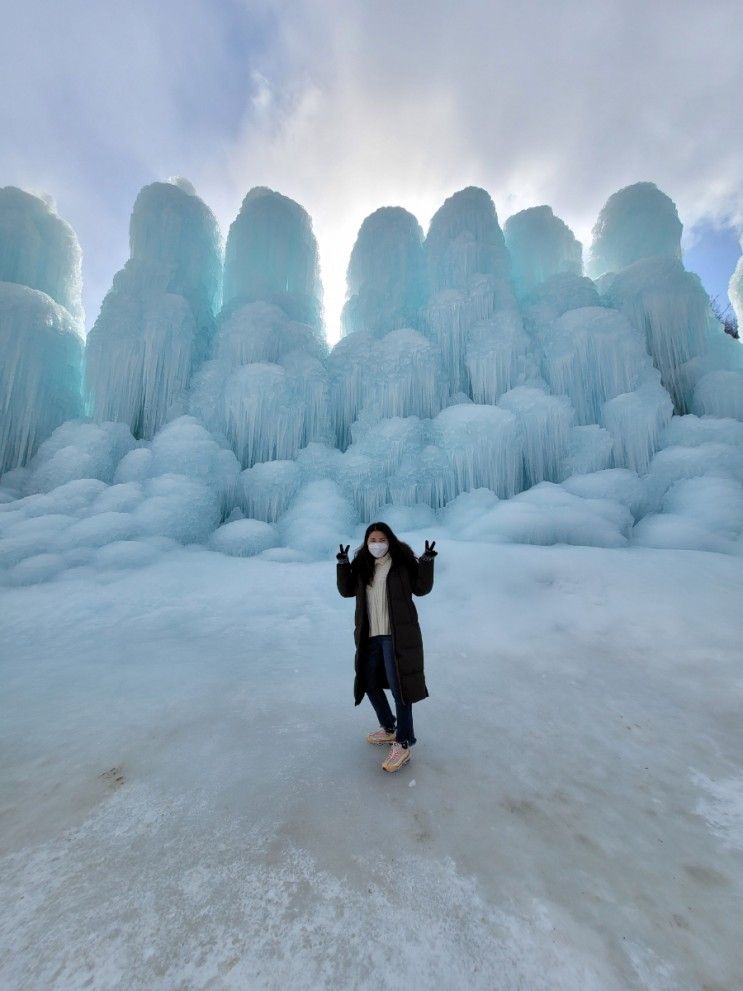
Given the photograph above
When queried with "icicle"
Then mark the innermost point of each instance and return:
(669, 306)
(404, 376)
(348, 366)
(484, 447)
(448, 318)
(636, 420)
(592, 355)
(262, 416)
(497, 356)
(545, 423)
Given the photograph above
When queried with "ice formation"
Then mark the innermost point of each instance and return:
(40, 250)
(670, 307)
(483, 384)
(271, 256)
(265, 388)
(545, 423)
(469, 275)
(157, 320)
(484, 445)
(636, 222)
(385, 274)
(41, 344)
(498, 356)
(540, 245)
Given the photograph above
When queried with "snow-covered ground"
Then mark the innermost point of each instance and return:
(189, 801)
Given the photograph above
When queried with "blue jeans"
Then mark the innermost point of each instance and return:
(380, 657)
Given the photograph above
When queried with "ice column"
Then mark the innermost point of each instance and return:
(266, 389)
(156, 322)
(540, 246)
(385, 274)
(40, 324)
(468, 276)
(636, 222)
(271, 256)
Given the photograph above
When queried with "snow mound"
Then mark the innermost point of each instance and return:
(243, 538)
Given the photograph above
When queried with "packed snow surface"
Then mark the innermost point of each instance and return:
(189, 799)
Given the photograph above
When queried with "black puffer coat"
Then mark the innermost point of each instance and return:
(402, 584)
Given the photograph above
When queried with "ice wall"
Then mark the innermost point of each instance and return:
(385, 278)
(156, 322)
(271, 256)
(540, 245)
(636, 222)
(40, 325)
(478, 375)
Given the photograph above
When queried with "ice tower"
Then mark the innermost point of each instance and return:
(636, 259)
(157, 320)
(469, 276)
(636, 222)
(40, 324)
(540, 246)
(385, 274)
(271, 257)
(264, 389)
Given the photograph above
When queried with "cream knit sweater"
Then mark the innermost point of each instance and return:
(376, 598)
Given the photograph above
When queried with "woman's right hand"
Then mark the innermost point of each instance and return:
(342, 557)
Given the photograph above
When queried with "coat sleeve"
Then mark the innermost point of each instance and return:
(422, 577)
(344, 579)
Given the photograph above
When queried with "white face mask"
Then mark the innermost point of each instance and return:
(378, 549)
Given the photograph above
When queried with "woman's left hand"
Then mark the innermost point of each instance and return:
(429, 551)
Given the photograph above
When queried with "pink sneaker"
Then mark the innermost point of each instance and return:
(397, 756)
(381, 736)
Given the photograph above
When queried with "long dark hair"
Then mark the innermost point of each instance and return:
(401, 553)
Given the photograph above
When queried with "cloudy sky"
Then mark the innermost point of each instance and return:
(347, 105)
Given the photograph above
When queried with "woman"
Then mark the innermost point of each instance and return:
(383, 576)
